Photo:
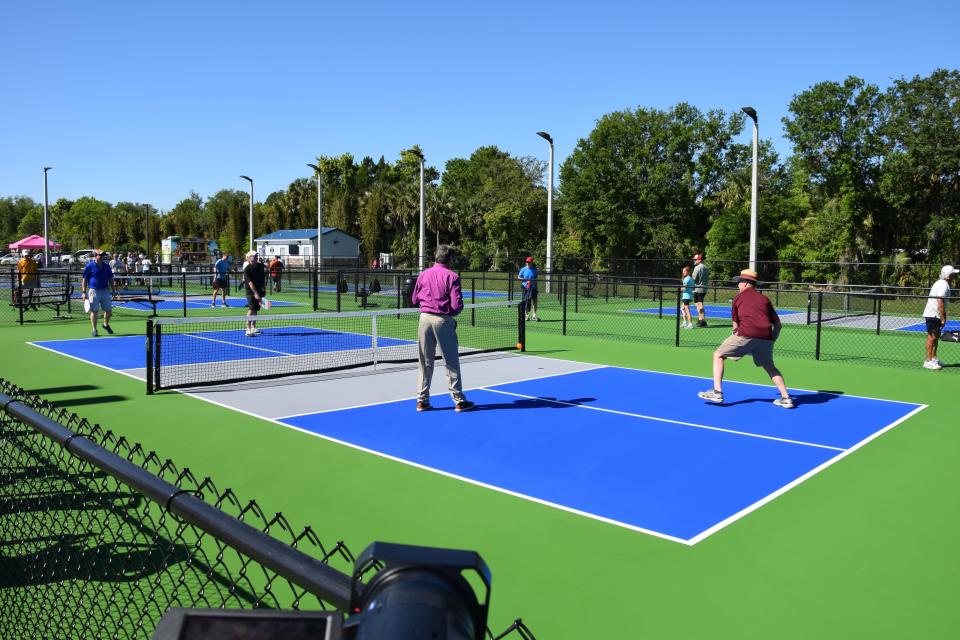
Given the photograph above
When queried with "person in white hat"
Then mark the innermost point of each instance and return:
(935, 315)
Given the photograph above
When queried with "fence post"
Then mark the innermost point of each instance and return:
(576, 293)
(158, 341)
(315, 288)
(658, 291)
(339, 276)
(522, 324)
(879, 308)
(819, 322)
(676, 321)
(564, 283)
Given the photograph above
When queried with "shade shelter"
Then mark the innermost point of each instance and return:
(33, 242)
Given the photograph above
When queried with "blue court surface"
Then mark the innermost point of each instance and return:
(126, 352)
(952, 325)
(389, 291)
(634, 448)
(711, 311)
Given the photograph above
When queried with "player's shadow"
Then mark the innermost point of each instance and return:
(819, 397)
(533, 403)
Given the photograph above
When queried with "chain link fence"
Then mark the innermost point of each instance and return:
(99, 537)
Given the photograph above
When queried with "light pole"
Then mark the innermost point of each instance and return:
(546, 136)
(419, 155)
(319, 215)
(250, 220)
(46, 221)
(146, 230)
(750, 111)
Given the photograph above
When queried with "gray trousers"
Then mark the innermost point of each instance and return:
(440, 330)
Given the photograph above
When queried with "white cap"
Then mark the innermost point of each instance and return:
(947, 271)
(251, 253)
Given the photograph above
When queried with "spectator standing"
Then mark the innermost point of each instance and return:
(701, 279)
(255, 286)
(935, 315)
(756, 326)
(38, 257)
(528, 282)
(686, 294)
(97, 277)
(29, 280)
(276, 273)
(440, 298)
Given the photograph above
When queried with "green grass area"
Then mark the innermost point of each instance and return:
(861, 550)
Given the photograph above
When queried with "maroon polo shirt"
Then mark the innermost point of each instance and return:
(754, 314)
(438, 291)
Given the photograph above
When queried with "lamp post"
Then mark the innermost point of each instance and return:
(419, 155)
(46, 221)
(750, 111)
(250, 220)
(319, 215)
(546, 136)
(146, 230)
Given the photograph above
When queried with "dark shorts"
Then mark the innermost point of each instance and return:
(686, 302)
(252, 303)
(219, 283)
(530, 294)
(699, 296)
(934, 325)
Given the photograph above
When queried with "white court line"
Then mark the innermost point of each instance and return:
(759, 503)
(407, 398)
(234, 344)
(665, 420)
(96, 364)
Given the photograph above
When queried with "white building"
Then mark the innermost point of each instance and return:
(298, 247)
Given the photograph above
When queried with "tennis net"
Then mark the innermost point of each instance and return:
(188, 352)
(837, 305)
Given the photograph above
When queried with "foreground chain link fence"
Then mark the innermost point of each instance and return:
(99, 538)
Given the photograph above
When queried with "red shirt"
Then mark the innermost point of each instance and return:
(754, 314)
(438, 291)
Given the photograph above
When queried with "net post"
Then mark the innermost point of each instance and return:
(606, 290)
(658, 292)
(809, 307)
(373, 332)
(509, 288)
(819, 323)
(676, 321)
(315, 287)
(473, 300)
(155, 370)
(149, 368)
(522, 328)
(183, 291)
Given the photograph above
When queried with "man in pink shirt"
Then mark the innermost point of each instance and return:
(440, 299)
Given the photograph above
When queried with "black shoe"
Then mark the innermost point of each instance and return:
(466, 405)
(701, 323)
(107, 328)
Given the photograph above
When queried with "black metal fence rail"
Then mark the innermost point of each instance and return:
(99, 538)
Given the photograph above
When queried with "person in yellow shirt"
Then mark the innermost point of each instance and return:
(27, 268)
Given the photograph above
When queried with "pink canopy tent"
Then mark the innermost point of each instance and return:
(32, 242)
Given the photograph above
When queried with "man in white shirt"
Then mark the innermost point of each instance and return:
(935, 315)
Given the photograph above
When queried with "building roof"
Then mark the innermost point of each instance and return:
(294, 234)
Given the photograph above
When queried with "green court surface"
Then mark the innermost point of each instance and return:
(864, 549)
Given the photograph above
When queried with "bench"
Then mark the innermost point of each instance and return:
(52, 297)
(362, 294)
(137, 298)
(589, 285)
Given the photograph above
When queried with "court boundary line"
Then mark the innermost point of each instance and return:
(797, 481)
(668, 421)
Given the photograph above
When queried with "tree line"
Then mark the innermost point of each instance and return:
(874, 177)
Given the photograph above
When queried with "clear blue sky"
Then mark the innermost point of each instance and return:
(147, 101)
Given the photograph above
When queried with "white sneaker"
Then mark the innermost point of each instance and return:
(786, 403)
(933, 365)
(535, 318)
(250, 334)
(526, 318)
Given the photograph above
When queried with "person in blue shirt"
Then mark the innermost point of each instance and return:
(528, 282)
(686, 295)
(221, 282)
(97, 278)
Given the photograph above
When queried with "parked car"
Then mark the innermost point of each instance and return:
(79, 257)
(10, 258)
